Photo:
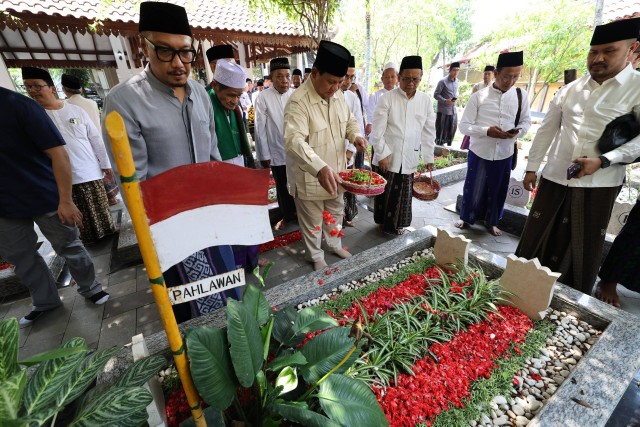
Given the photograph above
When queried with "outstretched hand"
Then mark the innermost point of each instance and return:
(329, 180)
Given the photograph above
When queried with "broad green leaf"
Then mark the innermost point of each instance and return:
(299, 413)
(212, 416)
(295, 359)
(287, 379)
(134, 420)
(84, 375)
(141, 371)
(9, 333)
(255, 302)
(56, 353)
(211, 368)
(265, 333)
(325, 351)
(245, 342)
(116, 404)
(283, 330)
(350, 402)
(37, 419)
(11, 393)
(312, 319)
(51, 376)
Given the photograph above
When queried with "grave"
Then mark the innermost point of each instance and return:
(600, 379)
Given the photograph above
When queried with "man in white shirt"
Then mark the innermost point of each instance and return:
(72, 88)
(214, 53)
(389, 81)
(492, 122)
(353, 158)
(269, 135)
(296, 79)
(569, 217)
(405, 124)
(486, 79)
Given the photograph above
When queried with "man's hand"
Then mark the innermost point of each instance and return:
(360, 143)
(108, 173)
(450, 101)
(367, 129)
(69, 214)
(529, 181)
(265, 163)
(329, 179)
(589, 166)
(496, 132)
(383, 164)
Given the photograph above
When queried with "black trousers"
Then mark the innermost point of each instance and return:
(285, 201)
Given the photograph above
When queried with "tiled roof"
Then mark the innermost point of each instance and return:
(226, 15)
(614, 10)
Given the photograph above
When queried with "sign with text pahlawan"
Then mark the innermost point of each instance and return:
(210, 285)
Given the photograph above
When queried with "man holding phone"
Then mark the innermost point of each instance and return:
(488, 114)
(569, 217)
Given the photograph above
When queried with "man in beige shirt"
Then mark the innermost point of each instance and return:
(317, 122)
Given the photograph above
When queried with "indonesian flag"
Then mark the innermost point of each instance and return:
(196, 206)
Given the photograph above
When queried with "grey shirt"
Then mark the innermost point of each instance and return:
(446, 89)
(164, 132)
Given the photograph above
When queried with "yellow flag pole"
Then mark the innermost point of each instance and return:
(131, 188)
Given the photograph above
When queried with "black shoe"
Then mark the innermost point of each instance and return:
(30, 318)
(99, 298)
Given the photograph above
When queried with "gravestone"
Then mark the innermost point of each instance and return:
(619, 217)
(517, 195)
(528, 286)
(451, 248)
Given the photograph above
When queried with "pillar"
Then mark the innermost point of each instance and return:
(5, 78)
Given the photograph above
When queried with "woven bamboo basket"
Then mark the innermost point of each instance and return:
(425, 187)
(365, 189)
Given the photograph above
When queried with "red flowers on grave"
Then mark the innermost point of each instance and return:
(280, 241)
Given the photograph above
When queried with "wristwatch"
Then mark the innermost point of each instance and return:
(605, 162)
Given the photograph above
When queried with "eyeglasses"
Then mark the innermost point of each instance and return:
(34, 88)
(409, 80)
(349, 76)
(166, 54)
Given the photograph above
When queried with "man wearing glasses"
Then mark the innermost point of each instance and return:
(170, 123)
(404, 121)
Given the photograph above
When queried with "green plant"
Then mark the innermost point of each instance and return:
(63, 378)
(402, 335)
(258, 371)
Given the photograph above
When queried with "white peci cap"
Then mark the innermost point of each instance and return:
(230, 74)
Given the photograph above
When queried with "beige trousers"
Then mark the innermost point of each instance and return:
(310, 216)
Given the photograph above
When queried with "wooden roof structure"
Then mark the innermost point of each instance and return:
(75, 34)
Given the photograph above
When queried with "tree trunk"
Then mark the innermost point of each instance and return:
(598, 15)
(368, 53)
(534, 86)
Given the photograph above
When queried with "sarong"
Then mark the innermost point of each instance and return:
(622, 264)
(205, 263)
(566, 230)
(446, 126)
(485, 189)
(392, 209)
(97, 221)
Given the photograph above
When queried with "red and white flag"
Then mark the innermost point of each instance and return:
(196, 206)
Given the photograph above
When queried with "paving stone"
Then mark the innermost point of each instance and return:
(146, 314)
(121, 289)
(149, 328)
(118, 330)
(102, 247)
(53, 322)
(101, 263)
(123, 275)
(4, 309)
(44, 343)
(129, 302)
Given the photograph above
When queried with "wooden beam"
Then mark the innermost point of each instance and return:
(61, 45)
(38, 50)
(45, 63)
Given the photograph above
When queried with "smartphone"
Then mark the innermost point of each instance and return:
(453, 99)
(514, 130)
(573, 170)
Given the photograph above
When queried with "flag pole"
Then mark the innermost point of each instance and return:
(131, 188)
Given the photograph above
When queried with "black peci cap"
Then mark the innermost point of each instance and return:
(163, 18)
(332, 58)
